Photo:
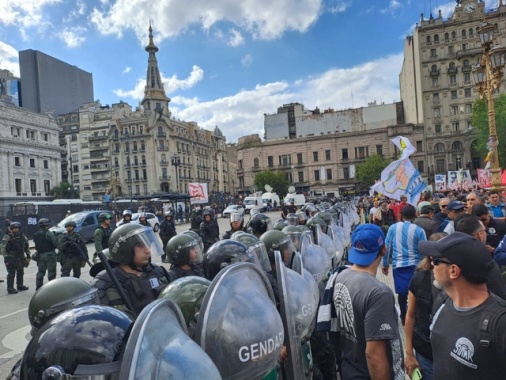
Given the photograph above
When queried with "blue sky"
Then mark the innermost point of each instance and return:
(225, 62)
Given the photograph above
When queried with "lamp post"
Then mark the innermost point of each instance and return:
(432, 174)
(488, 74)
(129, 171)
(176, 162)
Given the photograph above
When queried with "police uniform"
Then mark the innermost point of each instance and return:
(72, 253)
(45, 244)
(14, 248)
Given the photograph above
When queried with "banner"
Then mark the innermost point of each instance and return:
(198, 193)
(440, 182)
(459, 180)
(484, 178)
(405, 147)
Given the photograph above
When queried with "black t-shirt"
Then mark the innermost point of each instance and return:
(495, 232)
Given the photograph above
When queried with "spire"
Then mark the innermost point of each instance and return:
(154, 87)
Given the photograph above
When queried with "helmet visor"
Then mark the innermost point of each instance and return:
(194, 250)
(269, 224)
(261, 252)
(287, 249)
(236, 217)
(295, 236)
(293, 220)
(142, 238)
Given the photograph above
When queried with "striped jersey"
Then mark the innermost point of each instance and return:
(402, 244)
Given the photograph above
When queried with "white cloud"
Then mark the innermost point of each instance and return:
(262, 19)
(72, 36)
(236, 38)
(25, 13)
(338, 6)
(247, 60)
(393, 6)
(76, 13)
(126, 70)
(170, 84)
(9, 59)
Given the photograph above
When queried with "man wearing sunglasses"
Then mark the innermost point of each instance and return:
(443, 211)
(469, 330)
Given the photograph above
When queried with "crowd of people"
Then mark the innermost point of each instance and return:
(318, 268)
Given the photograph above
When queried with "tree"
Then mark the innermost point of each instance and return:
(64, 191)
(481, 127)
(371, 169)
(276, 180)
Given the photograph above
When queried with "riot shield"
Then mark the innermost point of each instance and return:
(159, 347)
(313, 258)
(239, 326)
(325, 241)
(298, 266)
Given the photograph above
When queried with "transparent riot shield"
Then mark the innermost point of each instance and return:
(159, 347)
(325, 241)
(314, 258)
(239, 326)
(298, 266)
(337, 242)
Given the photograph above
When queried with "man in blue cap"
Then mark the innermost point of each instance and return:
(365, 309)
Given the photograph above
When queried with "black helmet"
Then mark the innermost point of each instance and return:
(260, 223)
(226, 252)
(103, 216)
(279, 241)
(169, 213)
(15, 225)
(208, 212)
(180, 247)
(44, 222)
(256, 245)
(124, 239)
(59, 295)
(70, 223)
(78, 339)
(196, 236)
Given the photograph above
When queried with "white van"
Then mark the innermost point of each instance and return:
(298, 199)
(251, 201)
(273, 197)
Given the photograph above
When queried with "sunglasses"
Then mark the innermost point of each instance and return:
(444, 206)
(437, 260)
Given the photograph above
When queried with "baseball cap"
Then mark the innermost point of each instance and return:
(462, 250)
(426, 209)
(454, 205)
(366, 241)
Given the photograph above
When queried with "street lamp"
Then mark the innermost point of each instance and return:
(176, 162)
(129, 171)
(488, 74)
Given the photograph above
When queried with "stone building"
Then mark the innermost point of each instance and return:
(436, 82)
(126, 153)
(30, 158)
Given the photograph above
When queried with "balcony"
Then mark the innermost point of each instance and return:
(466, 68)
(164, 178)
(162, 148)
(164, 162)
(452, 70)
(161, 135)
(98, 137)
(434, 73)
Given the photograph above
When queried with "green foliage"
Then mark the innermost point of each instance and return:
(276, 180)
(481, 127)
(371, 169)
(64, 191)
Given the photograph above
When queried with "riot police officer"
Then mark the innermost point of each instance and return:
(185, 255)
(102, 233)
(130, 249)
(258, 224)
(236, 224)
(167, 229)
(45, 244)
(73, 253)
(209, 230)
(196, 219)
(16, 253)
(126, 216)
(143, 220)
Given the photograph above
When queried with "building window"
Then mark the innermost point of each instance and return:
(464, 33)
(435, 81)
(428, 40)
(447, 36)
(454, 34)
(450, 50)
(467, 92)
(440, 166)
(345, 153)
(329, 174)
(239, 164)
(32, 162)
(46, 164)
(270, 161)
(453, 79)
(454, 110)
(45, 137)
(33, 186)
(471, 31)
(436, 38)
(433, 53)
(464, 46)
(361, 152)
(467, 78)
(455, 126)
(439, 148)
(469, 108)
(327, 155)
(301, 176)
(299, 158)
(255, 162)
(285, 160)
(346, 173)
(17, 161)
(316, 175)
(437, 112)
(419, 146)
(315, 156)
(47, 186)
(17, 183)
(435, 97)
(420, 166)
(454, 94)
(437, 128)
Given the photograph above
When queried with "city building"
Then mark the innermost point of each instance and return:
(436, 82)
(125, 153)
(48, 84)
(9, 87)
(319, 151)
(30, 158)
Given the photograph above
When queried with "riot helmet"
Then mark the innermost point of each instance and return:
(188, 293)
(280, 224)
(302, 217)
(294, 233)
(127, 237)
(103, 216)
(44, 222)
(59, 295)
(78, 342)
(309, 209)
(143, 218)
(256, 245)
(236, 220)
(127, 213)
(224, 253)
(260, 223)
(195, 236)
(279, 241)
(168, 213)
(292, 219)
(70, 223)
(15, 225)
(183, 249)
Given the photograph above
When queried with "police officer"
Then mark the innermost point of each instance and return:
(126, 216)
(45, 244)
(236, 224)
(209, 230)
(130, 249)
(184, 253)
(143, 220)
(16, 253)
(167, 229)
(73, 253)
(258, 224)
(102, 233)
(196, 219)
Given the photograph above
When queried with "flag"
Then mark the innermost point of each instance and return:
(405, 147)
(198, 193)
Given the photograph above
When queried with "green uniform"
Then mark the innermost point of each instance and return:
(14, 248)
(45, 244)
(101, 239)
(73, 253)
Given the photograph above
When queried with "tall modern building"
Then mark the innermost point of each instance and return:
(48, 84)
(436, 81)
